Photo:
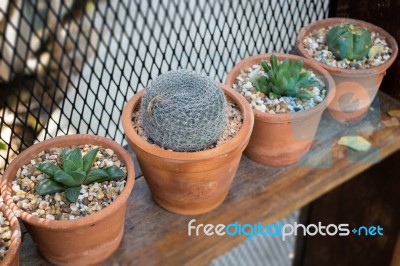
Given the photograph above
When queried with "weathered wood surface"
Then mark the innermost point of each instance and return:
(259, 193)
(370, 199)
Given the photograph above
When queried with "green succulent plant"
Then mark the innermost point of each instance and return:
(76, 171)
(286, 78)
(349, 41)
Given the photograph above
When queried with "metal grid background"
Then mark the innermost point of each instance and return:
(75, 73)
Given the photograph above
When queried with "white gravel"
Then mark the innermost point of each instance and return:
(315, 45)
(5, 236)
(286, 104)
(93, 197)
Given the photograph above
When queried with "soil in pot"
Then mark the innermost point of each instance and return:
(357, 79)
(83, 231)
(191, 181)
(10, 237)
(284, 124)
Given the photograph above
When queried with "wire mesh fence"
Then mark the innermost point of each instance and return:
(69, 66)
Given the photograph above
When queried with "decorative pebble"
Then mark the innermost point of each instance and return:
(287, 104)
(315, 45)
(56, 206)
(5, 236)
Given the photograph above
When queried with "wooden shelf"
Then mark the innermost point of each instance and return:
(259, 193)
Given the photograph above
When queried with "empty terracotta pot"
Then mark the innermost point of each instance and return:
(282, 139)
(85, 241)
(12, 256)
(355, 89)
(189, 182)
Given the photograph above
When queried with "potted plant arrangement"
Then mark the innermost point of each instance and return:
(288, 95)
(188, 134)
(10, 237)
(71, 193)
(356, 54)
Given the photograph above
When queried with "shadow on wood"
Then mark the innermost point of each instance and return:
(370, 199)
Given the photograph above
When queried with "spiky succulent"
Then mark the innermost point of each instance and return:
(75, 172)
(349, 41)
(286, 78)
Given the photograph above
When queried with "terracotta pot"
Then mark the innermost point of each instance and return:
(189, 182)
(355, 89)
(282, 139)
(84, 241)
(12, 256)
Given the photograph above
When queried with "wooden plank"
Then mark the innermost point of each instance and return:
(301, 240)
(396, 254)
(259, 193)
(370, 199)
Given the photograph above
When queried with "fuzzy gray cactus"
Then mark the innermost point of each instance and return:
(183, 111)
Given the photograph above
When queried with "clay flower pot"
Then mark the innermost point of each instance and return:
(189, 182)
(84, 241)
(12, 256)
(282, 139)
(355, 89)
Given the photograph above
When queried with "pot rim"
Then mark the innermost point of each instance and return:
(65, 141)
(13, 250)
(333, 21)
(287, 117)
(243, 134)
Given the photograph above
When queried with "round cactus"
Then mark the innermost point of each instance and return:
(183, 111)
(349, 41)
